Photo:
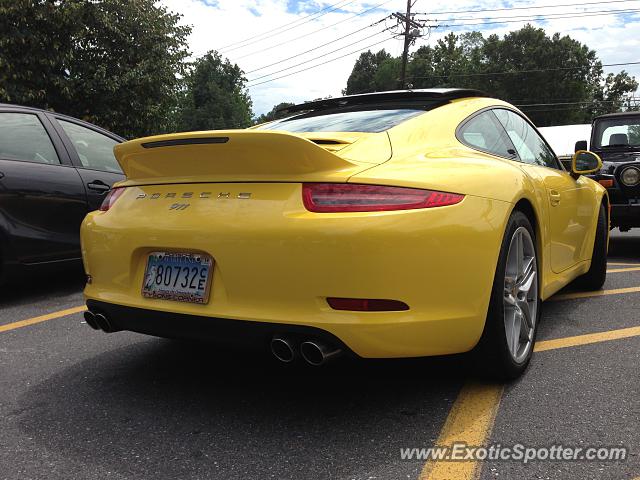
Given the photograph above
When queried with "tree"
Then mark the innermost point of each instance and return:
(215, 96)
(274, 114)
(517, 68)
(614, 95)
(361, 79)
(116, 63)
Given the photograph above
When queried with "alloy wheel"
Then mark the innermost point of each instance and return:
(520, 295)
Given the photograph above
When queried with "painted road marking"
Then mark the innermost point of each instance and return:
(597, 293)
(619, 270)
(473, 414)
(619, 263)
(470, 421)
(41, 318)
(586, 339)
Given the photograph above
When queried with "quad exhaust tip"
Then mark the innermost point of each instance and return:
(317, 353)
(90, 318)
(283, 349)
(98, 321)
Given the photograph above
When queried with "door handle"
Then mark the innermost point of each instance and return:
(554, 196)
(98, 186)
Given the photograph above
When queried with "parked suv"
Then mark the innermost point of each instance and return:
(53, 170)
(616, 138)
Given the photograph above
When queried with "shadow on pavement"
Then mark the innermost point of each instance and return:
(40, 286)
(625, 246)
(167, 409)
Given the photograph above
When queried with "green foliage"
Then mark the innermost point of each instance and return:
(273, 114)
(116, 63)
(512, 68)
(362, 78)
(215, 96)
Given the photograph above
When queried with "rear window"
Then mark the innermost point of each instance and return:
(368, 121)
(617, 132)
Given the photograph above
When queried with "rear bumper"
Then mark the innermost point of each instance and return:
(390, 335)
(193, 327)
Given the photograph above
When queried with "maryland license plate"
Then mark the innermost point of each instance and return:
(182, 277)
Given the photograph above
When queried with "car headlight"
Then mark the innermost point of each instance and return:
(630, 176)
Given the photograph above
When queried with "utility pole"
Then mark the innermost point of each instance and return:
(407, 41)
(411, 30)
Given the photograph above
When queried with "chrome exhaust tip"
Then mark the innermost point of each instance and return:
(282, 348)
(90, 318)
(103, 323)
(317, 353)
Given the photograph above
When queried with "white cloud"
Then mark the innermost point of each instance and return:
(219, 23)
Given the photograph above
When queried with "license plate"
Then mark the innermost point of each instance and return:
(182, 277)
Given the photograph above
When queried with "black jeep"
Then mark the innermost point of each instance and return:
(616, 138)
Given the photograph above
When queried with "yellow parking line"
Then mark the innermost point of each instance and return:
(623, 264)
(618, 270)
(470, 421)
(586, 339)
(473, 414)
(41, 318)
(598, 293)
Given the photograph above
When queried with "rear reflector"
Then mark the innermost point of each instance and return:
(366, 304)
(111, 198)
(346, 197)
(607, 183)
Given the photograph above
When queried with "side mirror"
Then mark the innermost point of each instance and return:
(581, 145)
(584, 162)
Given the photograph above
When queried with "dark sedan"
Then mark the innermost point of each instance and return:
(53, 170)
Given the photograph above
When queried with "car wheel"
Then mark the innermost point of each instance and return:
(597, 274)
(510, 329)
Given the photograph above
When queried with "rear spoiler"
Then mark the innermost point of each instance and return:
(230, 156)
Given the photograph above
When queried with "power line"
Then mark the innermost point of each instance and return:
(508, 9)
(586, 102)
(515, 72)
(316, 58)
(317, 47)
(315, 31)
(263, 37)
(320, 64)
(540, 17)
(549, 15)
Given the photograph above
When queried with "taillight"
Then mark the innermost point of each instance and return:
(111, 198)
(346, 197)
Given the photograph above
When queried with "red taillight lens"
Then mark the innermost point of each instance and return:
(346, 197)
(366, 304)
(111, 198)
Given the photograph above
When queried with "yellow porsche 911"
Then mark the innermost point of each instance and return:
(395, 224)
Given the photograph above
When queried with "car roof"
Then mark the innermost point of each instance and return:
(618, 114)
(62, 116)
(392, 96)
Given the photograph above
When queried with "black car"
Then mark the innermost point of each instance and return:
(616, 138)
(53, 170)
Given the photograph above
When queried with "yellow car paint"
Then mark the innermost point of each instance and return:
(277, 262)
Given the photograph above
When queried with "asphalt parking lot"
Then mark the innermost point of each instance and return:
(76, 403)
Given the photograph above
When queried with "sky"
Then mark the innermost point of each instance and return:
(260, 36)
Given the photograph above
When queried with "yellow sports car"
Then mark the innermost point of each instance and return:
(395, 224)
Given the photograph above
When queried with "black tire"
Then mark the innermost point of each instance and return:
(492, 351)
(594, 279)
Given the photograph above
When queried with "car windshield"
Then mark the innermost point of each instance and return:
(617, 132)
(369, 121)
